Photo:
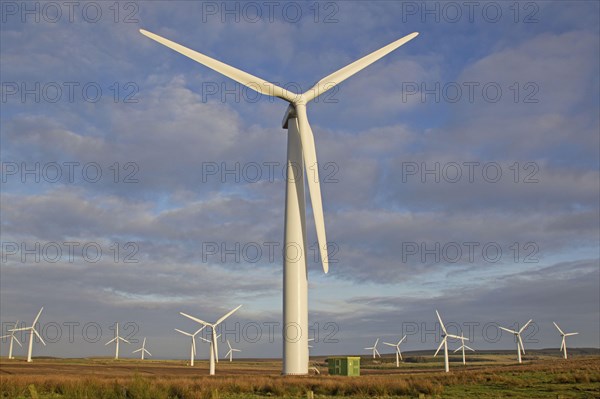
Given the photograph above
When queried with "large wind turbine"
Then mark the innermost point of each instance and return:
(143, 349)
(444, 342)
(116, 340)
(398, 353)
(193, 349)
(517, 335)
(13, 338)
(463, 347)
(214, 355)
(374, 349)
(32, 331)
(300, 151)
(563, 345)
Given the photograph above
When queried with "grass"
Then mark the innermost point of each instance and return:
(495, 377)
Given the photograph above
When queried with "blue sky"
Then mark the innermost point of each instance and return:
(459, 173)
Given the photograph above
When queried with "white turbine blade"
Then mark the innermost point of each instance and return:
(15, 338)
(510, 331)
(200, 329)
(150, 354)
(197, 320)
(5, 336)
(376, 342)
(521, 342)
(558, 328)
(402, 340)
(124, 340)
(368, 349)
(340, 75)
(457, 349)
(255, 83)
(569, 334)
(388, 344)
(441, 322)
(236, 350)
(19, 329)
(194, 344)
(205, 340)
(312, 177)
(454, 336)
(228, 344)
(214, 344)
(471, 349)
(137, 350)
(377, 352)
(183, 332)
(562, 344)
(111, 341)
(38, 335)
(440, 347)
(37, 317)
(525, 326)
(227, 315)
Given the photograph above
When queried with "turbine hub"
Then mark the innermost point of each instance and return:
(290, 112)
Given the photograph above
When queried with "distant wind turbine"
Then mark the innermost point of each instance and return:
(300, 151)
(231, 350)
(214, 350)
(517, 335)
(143, 349)
(398, 353)
(444, 343)
(116, 340)
(193, 348)
(563, 345)
(463, 347)
(13, 338)
(32, 331)
(374, 349)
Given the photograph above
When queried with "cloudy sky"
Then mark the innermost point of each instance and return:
(459, 173)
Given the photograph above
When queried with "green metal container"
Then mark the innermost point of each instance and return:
(349, 366)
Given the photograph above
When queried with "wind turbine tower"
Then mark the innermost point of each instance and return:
(398, 353)
(143, 349)
(32, 331)
(563, 345)
(300, 151)
(13, 339)
(116, 340)
(463, 347)
(517, 334)
(444, 343)
(193, 346)
(214, 353)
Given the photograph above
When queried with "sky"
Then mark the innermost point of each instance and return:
(458, 173)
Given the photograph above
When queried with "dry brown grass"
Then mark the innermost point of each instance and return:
(158, 381)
